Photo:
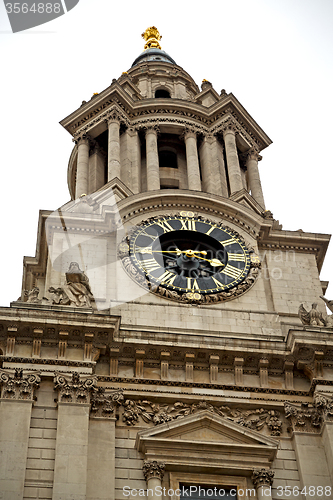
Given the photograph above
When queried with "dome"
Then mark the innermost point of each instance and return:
(153, 55)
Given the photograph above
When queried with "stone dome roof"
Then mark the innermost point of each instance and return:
(153, 55)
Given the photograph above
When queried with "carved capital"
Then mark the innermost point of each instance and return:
(104, 404)
(17, 385)
(262, 477)
(253, 154)
(83, 139)
(151, 128)
(189, 132)
(75, 388)
(304, 417)
(229, 126)
(153, 469)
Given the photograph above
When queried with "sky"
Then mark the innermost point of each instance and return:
(275, 56)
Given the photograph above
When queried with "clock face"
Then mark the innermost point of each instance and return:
(189, 254)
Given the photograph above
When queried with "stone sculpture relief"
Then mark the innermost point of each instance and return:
(312, 317)
(76, 292)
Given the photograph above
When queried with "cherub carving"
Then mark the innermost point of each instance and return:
(312, 317)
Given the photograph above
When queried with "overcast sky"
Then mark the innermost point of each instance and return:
(275, 56)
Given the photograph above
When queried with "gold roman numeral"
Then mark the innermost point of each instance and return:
(192, 286)
(144, 233)
(227, 242)
(210, 230)
(217, 283)
(165, 226)
(232, 271)
(168, 277)
(237, 257)
(188, 225)
(150, 265)
(145, 250)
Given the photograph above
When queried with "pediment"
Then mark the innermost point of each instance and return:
(207, 97)
(223, 443)
(244, 197)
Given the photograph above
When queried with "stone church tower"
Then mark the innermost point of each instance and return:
(170, 334)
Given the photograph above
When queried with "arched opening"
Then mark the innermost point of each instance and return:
(162, 93)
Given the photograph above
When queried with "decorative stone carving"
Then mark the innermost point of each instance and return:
(329, 319)
(75, 388)
(256, 419)
(17, 385)
(304, 417)
(312, 317)
(103, 405)
(262, 477)
(153, 469)
(76, 292)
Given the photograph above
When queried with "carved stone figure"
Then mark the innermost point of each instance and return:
(76, 292)
(312, 317)
(32, 295)
(329, 319)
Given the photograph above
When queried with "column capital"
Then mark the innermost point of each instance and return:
(151, 127)
(75, 388)
(104, 404)
(114, 115)
(253, 154)
(153, 469)
(82, 139)
(229, 127)
(189, 132)
(17, 385)
(262, 477)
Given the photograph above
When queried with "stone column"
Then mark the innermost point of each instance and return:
(17, 397)
(113, 147)
(263, 480)
(101, 445)
(153, 168)
(82, 169)
(193, 170)
(153, 472)
(131, 159)
(235, 178)
(211, 177)
(253, 175)
(70, 468)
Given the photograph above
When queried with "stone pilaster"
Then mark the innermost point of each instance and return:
(17, 396)
(82, 170)
(153, 169)
(253, 176)
(153, 472)
(211, 176)
(70, 468)
(193, 170)
(235, 178)
(263, 480)
(113, 146)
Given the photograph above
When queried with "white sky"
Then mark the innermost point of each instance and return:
(275, 56)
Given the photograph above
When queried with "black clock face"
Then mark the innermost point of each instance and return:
(189, 254)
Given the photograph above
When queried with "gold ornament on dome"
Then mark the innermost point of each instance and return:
(152, 37)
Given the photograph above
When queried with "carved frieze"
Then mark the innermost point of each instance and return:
(75, 388)
(257, 419)
(17, 385)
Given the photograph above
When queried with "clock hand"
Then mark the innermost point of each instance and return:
(213, 262)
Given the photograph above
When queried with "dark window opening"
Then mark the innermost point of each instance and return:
(168, 159)
(162, 93)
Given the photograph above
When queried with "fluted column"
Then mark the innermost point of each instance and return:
(153, 472)
(235, 178)
(263, 480)
(82, 171)
(153, 169)
(253, 175)
(113, 148)
(193, 170)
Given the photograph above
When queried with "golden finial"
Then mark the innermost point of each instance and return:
(152, 37)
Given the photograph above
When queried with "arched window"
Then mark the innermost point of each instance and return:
(168, 159)
(162, 93)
